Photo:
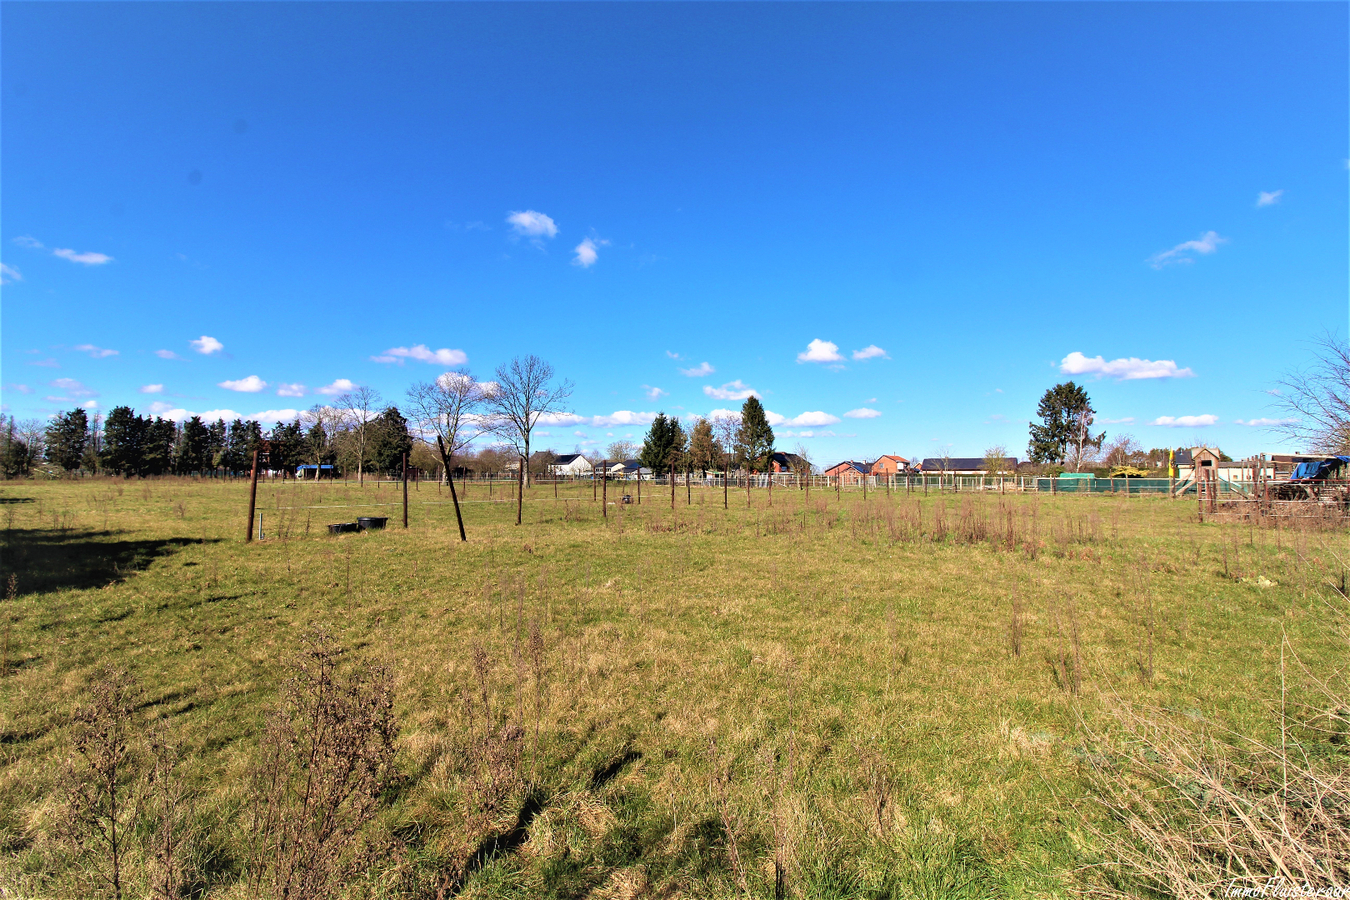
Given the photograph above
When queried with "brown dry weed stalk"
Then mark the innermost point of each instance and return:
(1198, 814)
(327, 754)
(97, 822)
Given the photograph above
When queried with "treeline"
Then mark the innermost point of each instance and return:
(129, 444)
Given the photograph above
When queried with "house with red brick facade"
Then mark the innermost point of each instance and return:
(849, 471)
(889, 465)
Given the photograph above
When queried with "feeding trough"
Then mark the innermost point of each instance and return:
(343, 527)
(372, 523)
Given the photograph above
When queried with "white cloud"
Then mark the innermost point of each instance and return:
(733, 414)
(1206, 244)
(672, 355)
(863, 413)
(206, 345)
(167, 354)
(46, 363)
(91, 404)
(653, 393)
(1128, 420)
(9, 274)
(422, 353)
(532, 224)
(29, 242)
(1186, 421)
(210, 415)
(84, 259)
(820, 351)
(1268, 198)
(564, 419)
(871, 351)
(586, 252)
(701, 370)
(623, 417)
(20, 388)
(1122, 369)
(1266, 423)
(152, 389)
(272, 415)
(250, 385)
(96, 352)
(732, 390)
(340, 386)
(290, 390)
(809, 419)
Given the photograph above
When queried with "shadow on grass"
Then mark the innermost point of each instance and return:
(46, 560)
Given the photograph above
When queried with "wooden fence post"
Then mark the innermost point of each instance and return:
(405, 490)
(252, 498)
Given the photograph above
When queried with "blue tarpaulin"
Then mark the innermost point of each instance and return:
(1319, 469)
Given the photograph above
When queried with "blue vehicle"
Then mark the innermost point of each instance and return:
(1316, 479)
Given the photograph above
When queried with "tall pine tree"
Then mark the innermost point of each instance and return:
(754, 440)
(663, 448)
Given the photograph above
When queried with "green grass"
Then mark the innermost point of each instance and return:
(827, 648)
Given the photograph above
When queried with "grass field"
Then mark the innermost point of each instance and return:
(896, 697)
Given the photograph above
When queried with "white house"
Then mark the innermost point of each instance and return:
(571, 464)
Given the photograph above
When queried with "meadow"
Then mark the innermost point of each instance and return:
(829, 696)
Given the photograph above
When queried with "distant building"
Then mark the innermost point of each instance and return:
(962, 465)
(789, 462)
(571, 464)
(849, 471)
(889, 464)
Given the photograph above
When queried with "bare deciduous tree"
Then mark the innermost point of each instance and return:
(1316, 400)
(524, 393)
(619, 451)
(996, 460)
(449, 408)
(359, 409)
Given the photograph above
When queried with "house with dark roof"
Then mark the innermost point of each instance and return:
(630, 469)
(849, 471)
(889, 464)
(961, 465)
(570, 464)
(789, 462)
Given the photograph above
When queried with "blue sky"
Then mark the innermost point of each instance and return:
(234, 207)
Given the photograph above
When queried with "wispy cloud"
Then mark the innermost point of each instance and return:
(863, 413)
(340, 386)
(871, 351)
(732, 390)
(206, 345)
(1266, 423)
(1268, 198)
(623, 417)
(19, 388)
(96, 352)
(295, 389)
(46, 363)
(672, 354)
(820, 352)
(72, 387)
(422, 353)
(167, 354)
(532, 224)
(29, 242)
(1130, 369)
(1128, 420)
(88, 258)
(1206, 244)
(152, 389)
(1186, 421)
(653, 393)
(9, 274)
(250, 385)
(272, 415)
(701, 370)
